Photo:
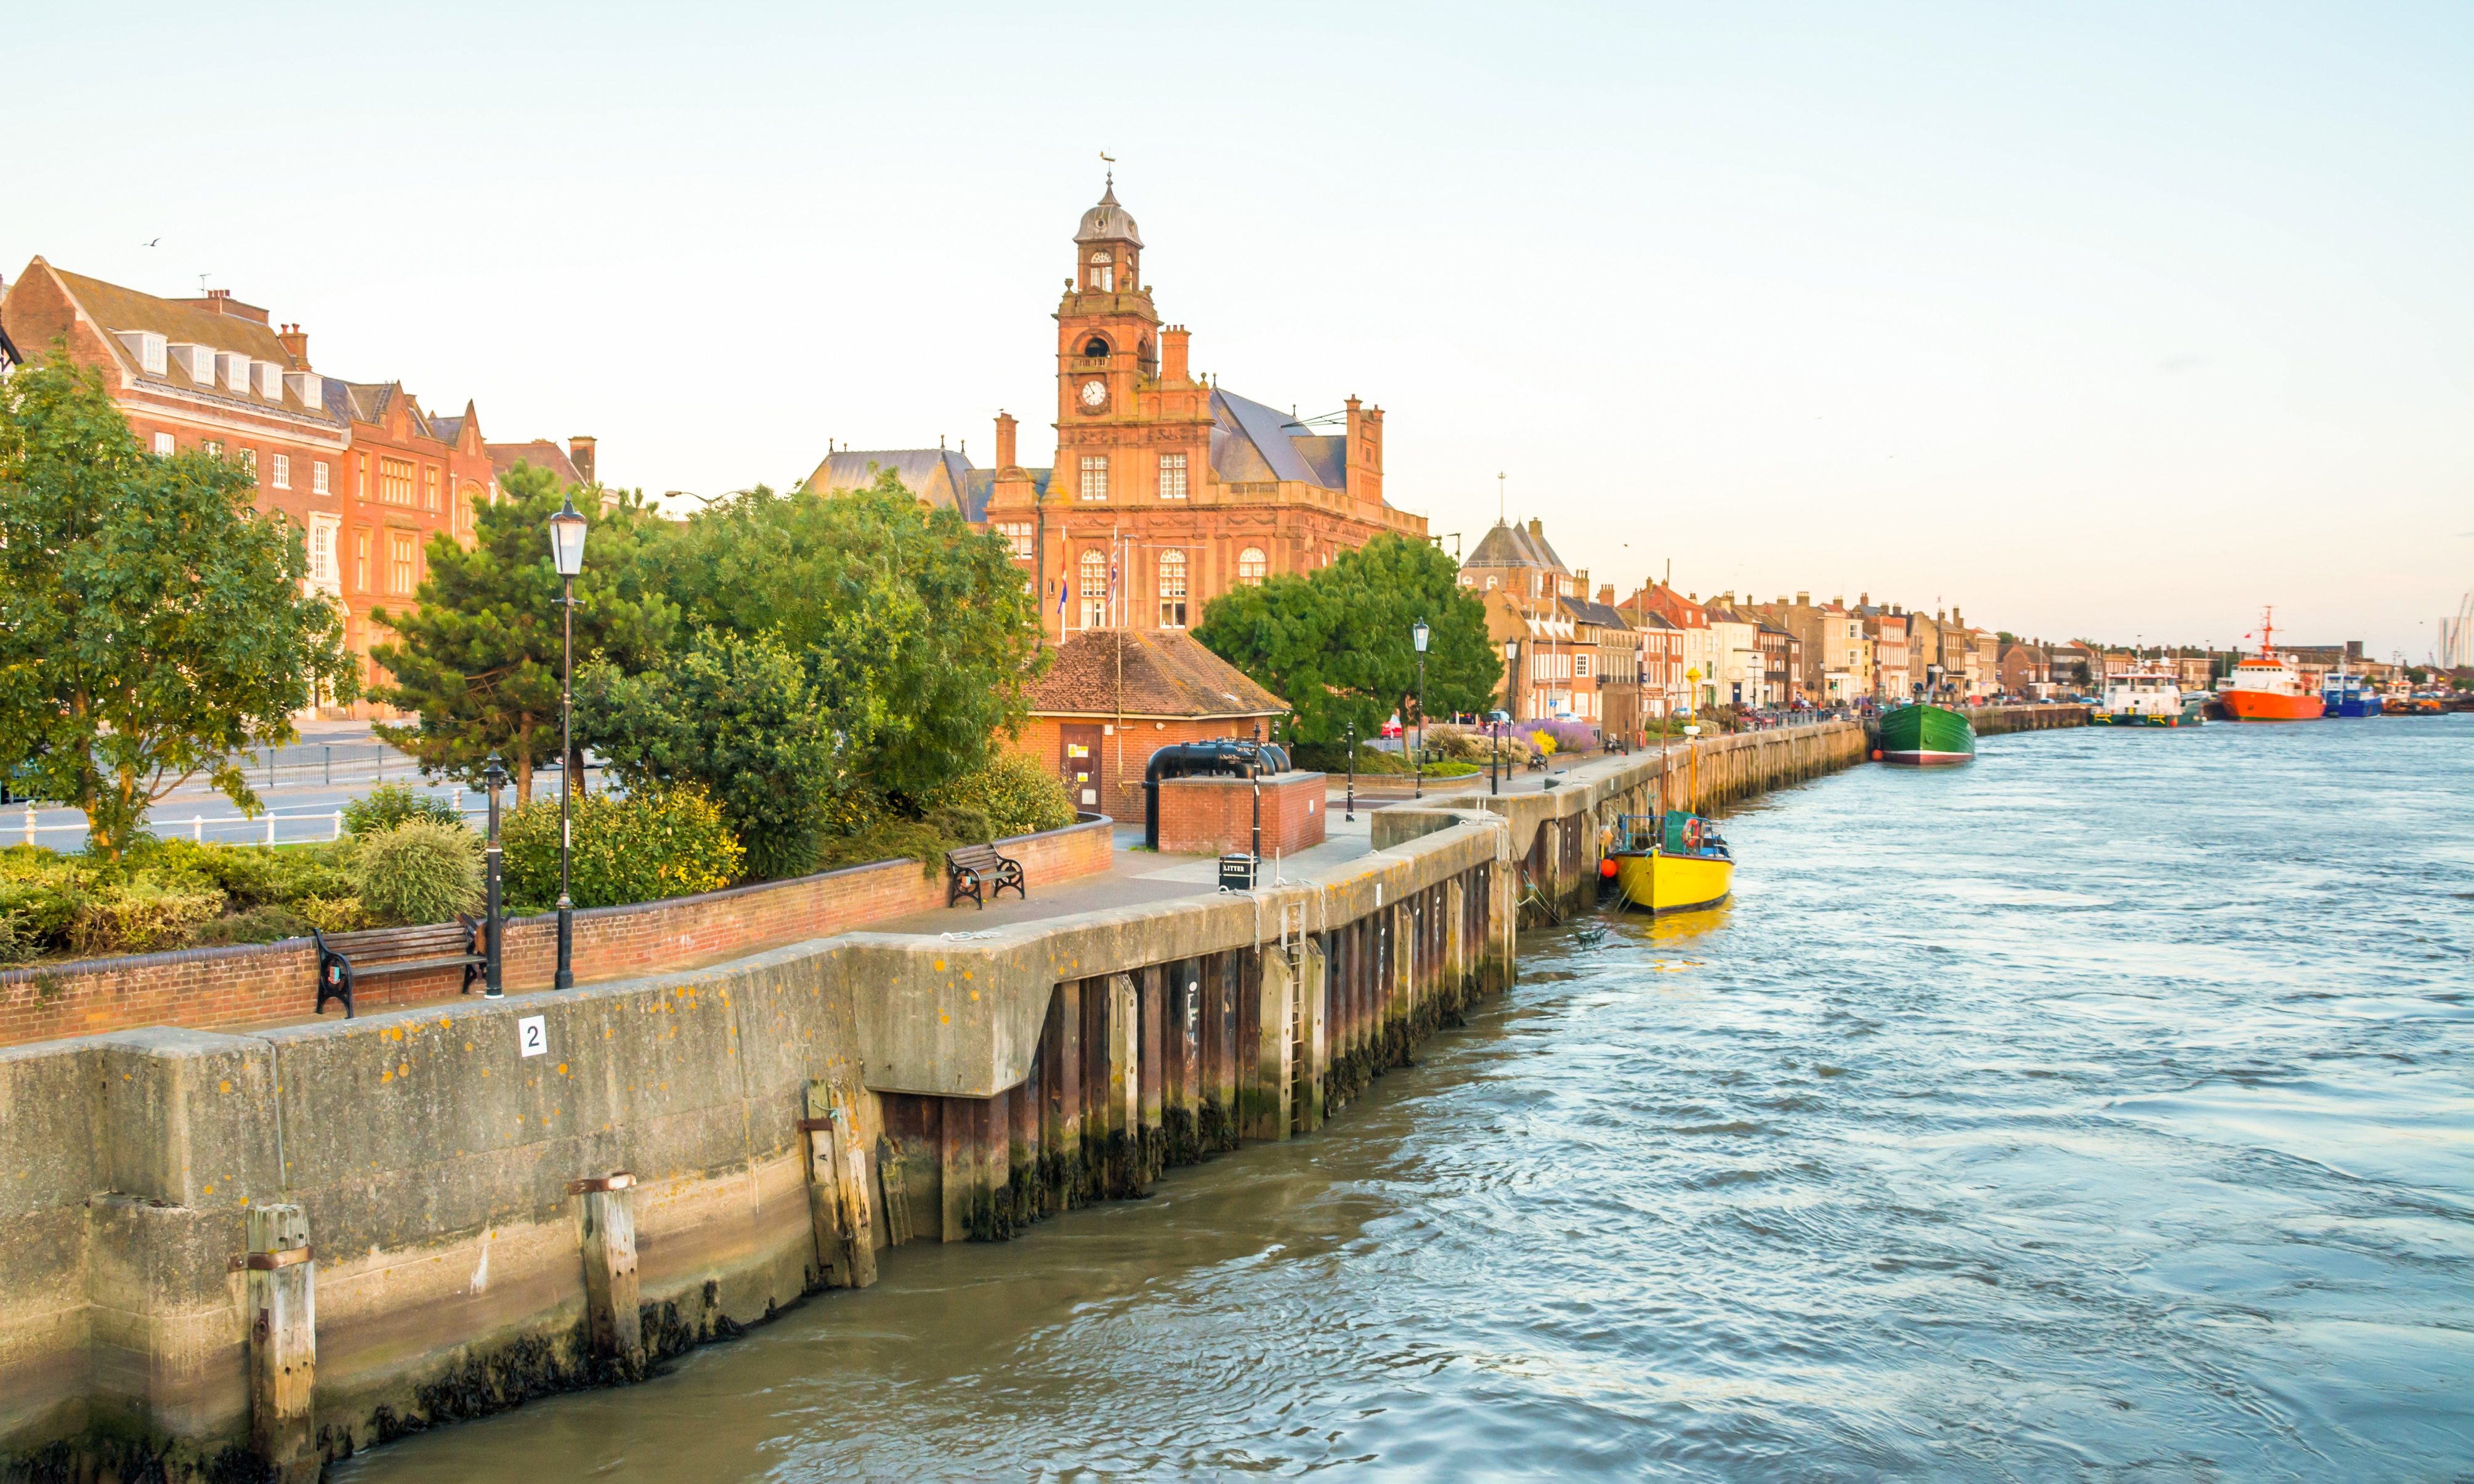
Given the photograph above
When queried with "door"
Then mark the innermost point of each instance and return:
(1080, 766)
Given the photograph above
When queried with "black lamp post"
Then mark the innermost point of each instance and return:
(1417, 764)
(566, 551)
(1352, 772)
(493, 927)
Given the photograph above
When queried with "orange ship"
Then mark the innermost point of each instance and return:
(2270, 686)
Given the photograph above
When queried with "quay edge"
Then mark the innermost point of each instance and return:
(955, 1089)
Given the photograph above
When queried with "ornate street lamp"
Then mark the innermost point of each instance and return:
(493, 928)
(1417, 764)
(567, 552)
(1352, 772)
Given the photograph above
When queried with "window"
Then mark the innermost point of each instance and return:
(1103, 281)
(249, 461)
(395, 481)
(163, 444)
(1252, 565)
(1172, 477)
(1095, 476)
(1018, 536)
(283, 471)
(361, 562)
(214, 446)
(429, 487)
(1095, 588)
(1581, 666)
(318, 477)
(1172, 589)
(400, 562)
(322, 551)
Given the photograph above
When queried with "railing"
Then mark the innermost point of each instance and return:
(237, 829)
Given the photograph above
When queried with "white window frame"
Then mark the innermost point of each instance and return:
(1172, 477)
(1259, 560)
(318, 477)
(283, 479)
(1095, 476)
(1172, 585)
(165, 445)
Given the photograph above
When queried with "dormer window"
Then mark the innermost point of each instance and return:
(148, 348)
(233, 370)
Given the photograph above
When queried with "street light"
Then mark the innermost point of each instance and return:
(1352, 772)
(567, 554)
(1417, 764)
(493, 939)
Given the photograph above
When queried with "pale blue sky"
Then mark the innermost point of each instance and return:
(2105, 319)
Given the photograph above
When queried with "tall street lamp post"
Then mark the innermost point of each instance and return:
(1417, 764)
(566, 551)
(493, 925)
(1352, 772)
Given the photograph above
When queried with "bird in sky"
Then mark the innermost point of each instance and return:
(150, 244)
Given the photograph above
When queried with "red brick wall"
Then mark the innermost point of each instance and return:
(205, 987)
(1121, 782)
(1216, 815)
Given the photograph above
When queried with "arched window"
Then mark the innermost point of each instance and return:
(1095, 346)
(1171, 590)
(1252, 565)
(1095, 588)
(1103, 276)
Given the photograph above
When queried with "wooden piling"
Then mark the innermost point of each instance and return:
(1124, 1086)
(605, 1214)
(1269, 1107)
(958, 1148)
(282, 1295)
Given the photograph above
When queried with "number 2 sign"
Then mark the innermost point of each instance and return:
(532, 1035)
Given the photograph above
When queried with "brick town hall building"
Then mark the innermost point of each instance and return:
(1167, 491)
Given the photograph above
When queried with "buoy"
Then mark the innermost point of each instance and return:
(1876, 754)
(1607, 868)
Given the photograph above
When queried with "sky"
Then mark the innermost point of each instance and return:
(2106, 320)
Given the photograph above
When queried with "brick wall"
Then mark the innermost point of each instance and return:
(205, 987)
(1216, 815)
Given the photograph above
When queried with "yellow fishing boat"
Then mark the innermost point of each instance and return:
(1678, 864)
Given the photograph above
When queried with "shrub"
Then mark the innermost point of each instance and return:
(420, 871)
(255, 876)
(1333, 757)
(334, 915)
(256, 925)
(141, 917)
(391, 804)
(1011, 793)
(41, 908)
(640, 848)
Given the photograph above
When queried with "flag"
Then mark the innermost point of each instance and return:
(1060, 600)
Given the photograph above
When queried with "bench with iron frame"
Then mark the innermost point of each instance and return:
(382, 951)
(973, 869)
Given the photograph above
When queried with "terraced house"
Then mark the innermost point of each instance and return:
(365, 471)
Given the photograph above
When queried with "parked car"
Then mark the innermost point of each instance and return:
(1392, 727)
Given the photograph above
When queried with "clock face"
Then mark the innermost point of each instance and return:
(1094, 393)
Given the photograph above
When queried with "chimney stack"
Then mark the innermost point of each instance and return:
(1536, 528)
(1802, 599)
(1005, 440)
(1607, 594)
(295, 345)
(579, 452)
(1172, 341)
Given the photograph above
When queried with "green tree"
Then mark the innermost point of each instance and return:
(152, 623)
(479, 659)
(917, 636)
(1335, 642)
(738, 716)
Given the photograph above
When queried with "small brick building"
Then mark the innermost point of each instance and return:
(1113, 696)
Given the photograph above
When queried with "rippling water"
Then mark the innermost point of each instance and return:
(2100, 1110)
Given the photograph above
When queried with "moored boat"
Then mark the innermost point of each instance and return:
(1924, 735)
(2146, 694)
(2269, 686)
(2342, 695)
(1674, 863)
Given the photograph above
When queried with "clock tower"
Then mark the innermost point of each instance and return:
(1107, 333)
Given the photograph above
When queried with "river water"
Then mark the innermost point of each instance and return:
(2099, 1110)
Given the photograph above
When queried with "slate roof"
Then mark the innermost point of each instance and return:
(540, 453)
(1513, 546)
(1600, 614)
(1167, 674)
(1253, 444)
(114, 309)
(918, 469)
(983, 483)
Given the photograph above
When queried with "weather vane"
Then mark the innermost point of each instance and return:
(1112, 168)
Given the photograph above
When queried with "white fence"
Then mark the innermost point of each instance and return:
(273, 826)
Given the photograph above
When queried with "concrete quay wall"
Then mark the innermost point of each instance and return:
(971, 1085)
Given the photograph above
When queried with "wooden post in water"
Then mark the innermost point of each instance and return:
(1313, 991)
(1060, 1052)
(605, 1215)
(1153, 1099)
(1022, 1146)
(1125, 1085)
(1269, 1109)
(839, 1208)
(991, 1218)
(282, 1295)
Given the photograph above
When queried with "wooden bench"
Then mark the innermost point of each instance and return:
(973, 869)
(381, 951)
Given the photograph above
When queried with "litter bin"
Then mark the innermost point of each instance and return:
(1237, 872)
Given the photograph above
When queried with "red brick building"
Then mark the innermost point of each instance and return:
(366, 472)
(1168, 491)
(1113, 696)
